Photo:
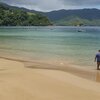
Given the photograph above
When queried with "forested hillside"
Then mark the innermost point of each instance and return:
(10, 16)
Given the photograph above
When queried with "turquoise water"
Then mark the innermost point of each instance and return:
(53, 44)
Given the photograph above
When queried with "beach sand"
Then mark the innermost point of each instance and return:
(18, 82)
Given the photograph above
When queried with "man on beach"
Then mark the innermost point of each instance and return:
(97, 58)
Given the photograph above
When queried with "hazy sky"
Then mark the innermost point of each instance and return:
(49, 5)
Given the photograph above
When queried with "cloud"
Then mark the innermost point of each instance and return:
(19, 2)
(81, 2)
(36, 4)
(48, 5)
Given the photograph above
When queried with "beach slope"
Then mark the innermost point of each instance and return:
(20, 83)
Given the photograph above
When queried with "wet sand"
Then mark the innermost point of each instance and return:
(18, 82)
(87, 72)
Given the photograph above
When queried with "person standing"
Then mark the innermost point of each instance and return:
(97, 58)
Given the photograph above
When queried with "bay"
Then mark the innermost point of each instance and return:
(60, 45)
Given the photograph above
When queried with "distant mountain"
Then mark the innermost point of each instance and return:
(15, 16)
(75, 17)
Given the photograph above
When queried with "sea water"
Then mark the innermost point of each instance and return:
(53, 44)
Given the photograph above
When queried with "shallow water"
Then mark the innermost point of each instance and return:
(55, 45)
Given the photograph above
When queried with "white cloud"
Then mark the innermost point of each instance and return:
(81, 2)
(47, 5)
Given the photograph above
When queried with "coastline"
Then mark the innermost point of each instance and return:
(18, 82)
(87, 73)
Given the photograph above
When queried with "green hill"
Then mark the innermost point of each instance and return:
(75, 17)
(77, 21)
(18, 16)
(14, 16)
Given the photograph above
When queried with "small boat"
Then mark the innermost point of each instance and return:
(81, 30)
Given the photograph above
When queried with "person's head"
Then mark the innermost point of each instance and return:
(98, 50)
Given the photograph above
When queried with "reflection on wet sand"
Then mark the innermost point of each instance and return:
(97, 79)
(90, 74)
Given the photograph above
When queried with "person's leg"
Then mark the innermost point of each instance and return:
(98, 64)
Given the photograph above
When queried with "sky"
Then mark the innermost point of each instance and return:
(50, 5)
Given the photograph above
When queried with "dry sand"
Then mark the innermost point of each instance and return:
(20, 83)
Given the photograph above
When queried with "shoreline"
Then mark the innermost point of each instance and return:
(16, 80)
(87, 73)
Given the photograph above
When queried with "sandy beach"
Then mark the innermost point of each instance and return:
(18, 82)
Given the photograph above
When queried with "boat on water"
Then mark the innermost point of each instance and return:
(81, 30)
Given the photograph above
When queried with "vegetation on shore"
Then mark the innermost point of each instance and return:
(77, 21)
(18, 17)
